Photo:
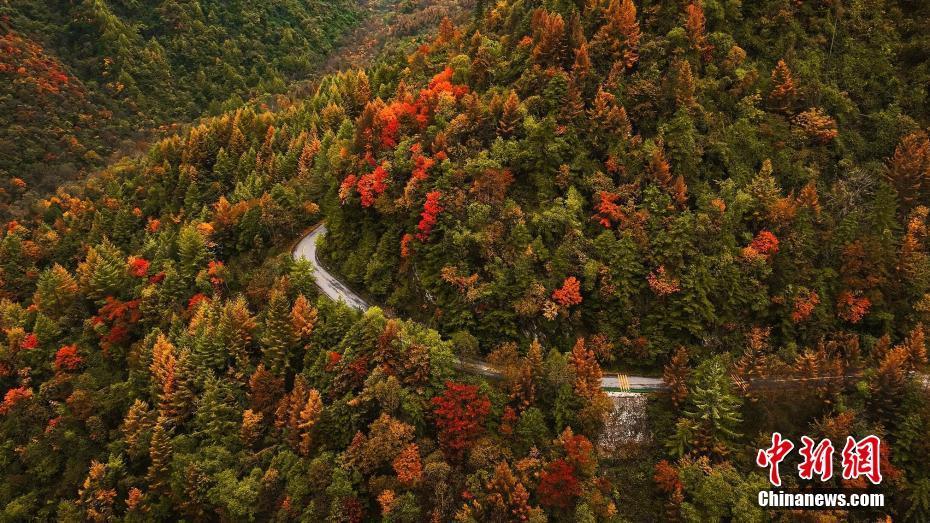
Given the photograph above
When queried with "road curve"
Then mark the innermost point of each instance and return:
(338, 291)
(335, 289)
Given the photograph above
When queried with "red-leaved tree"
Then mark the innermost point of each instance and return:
(14, 397)
(431, 210)
(67, 359)
(371, 185)
(569, 293)
(558, 485)
(460, 413)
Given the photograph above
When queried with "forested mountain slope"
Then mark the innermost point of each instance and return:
(729, 192)
(157, 326)
(79, 79)
(656, 176)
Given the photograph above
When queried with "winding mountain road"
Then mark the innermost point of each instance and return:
(332, 287)
(336, 290)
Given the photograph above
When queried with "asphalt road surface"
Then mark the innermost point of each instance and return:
(335, 289)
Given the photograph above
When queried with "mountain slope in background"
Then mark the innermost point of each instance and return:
(81, 79)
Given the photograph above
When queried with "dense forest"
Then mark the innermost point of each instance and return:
(732, 195)
(80, 79)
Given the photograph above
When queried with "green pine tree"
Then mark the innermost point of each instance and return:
(713, 416)
(277, 335)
